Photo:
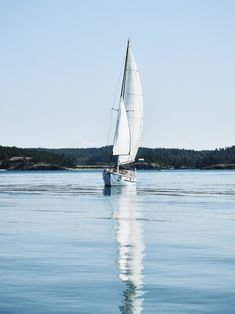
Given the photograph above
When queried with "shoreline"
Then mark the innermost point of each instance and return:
(101, 167)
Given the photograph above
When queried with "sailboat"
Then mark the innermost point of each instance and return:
(128, 125)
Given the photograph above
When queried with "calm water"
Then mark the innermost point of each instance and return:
(69, 246)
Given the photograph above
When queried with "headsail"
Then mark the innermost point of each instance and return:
(133, 100)
(121, 144)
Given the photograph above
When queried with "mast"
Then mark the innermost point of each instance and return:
(124, 83)
(124, 72)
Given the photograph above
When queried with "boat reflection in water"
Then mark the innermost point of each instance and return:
(129, 235)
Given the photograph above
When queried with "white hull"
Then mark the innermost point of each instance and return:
(114, 178)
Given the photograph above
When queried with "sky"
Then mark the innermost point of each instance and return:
(60, 64)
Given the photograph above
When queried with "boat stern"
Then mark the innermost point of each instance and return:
(112, 177)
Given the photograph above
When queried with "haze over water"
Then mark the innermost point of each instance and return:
(70, 246)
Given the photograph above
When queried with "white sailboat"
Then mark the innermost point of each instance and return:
(128, 126)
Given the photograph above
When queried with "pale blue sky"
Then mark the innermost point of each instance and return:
(60, 62)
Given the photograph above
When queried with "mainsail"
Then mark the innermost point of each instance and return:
(133, 101)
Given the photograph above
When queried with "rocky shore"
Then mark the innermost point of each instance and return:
(220, 167)
(26, 163)
(38, 166)
(147, 166)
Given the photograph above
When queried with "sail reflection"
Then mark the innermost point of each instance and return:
(129, 236)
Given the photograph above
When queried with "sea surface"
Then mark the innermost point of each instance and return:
(67, 245)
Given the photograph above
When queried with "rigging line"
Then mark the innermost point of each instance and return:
(113, 104)
(109, 130)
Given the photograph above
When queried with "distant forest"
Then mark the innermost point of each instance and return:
(164, 157)
(38, 155)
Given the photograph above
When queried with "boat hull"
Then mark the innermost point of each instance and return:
(113, 178)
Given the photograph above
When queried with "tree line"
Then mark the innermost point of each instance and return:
(164, 157)
(38, 155)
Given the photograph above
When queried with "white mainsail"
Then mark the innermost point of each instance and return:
(133, 101)
(121, 143)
